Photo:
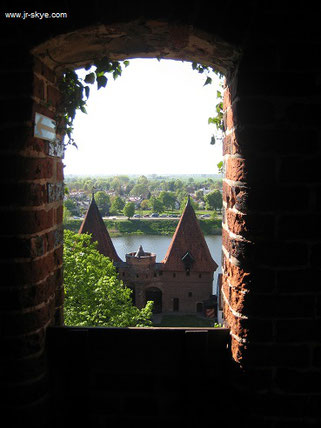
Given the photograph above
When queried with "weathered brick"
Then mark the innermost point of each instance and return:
(243, 251)
(292, 381)
(255, 111)
(27, 272)
(53, 95)
(27, 168)
(23, 345)
(32, 221)
(278, 355)
(251, 140)
(280, 306)
(248, 225)
(19, 322)
(38, 88)
(296, 331)
(43, 70)
(279, 253)
(23, 194)
(291, 165)
(290, 281)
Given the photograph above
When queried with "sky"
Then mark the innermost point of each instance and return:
(153, 119)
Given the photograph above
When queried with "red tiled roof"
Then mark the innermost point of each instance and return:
(188, 237)
(94, 224)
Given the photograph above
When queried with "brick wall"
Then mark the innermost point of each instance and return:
(272, 197)
(31, 291)
(271, 152)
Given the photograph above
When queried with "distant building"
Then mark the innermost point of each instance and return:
(181, 282)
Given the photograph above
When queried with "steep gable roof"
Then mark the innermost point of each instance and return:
(188, 248)
(94, 224)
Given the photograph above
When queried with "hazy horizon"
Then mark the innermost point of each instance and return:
(151, 120)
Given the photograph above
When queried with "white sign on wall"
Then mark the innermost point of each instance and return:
(45, 127)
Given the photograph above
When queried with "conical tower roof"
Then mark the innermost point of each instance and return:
(188, 248)
(94, 224)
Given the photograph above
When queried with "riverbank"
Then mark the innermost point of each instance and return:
(148, 227)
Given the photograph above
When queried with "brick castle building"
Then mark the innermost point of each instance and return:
(181, 282)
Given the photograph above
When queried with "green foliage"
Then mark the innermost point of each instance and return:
(103, 202)
(168, 199)
(157, 205)
(145, 204)
(129, 210)
(66, 215)
(75, 91)
(218, 325)
(71, 206)
(220, 167)
(148, 227)
(117, 205)
(214, 200)
(94, 296)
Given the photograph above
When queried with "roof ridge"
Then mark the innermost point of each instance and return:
(188, 237)
(93, 223)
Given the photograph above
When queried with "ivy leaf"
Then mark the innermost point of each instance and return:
(87, 91)
(126, 63)
(101, 81)
(90, 78)
(220, 167)
(208, 81)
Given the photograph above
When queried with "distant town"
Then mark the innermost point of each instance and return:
(149, 196)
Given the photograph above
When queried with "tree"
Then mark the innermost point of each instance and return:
(94, 296)
(71, 206)
(117, 205)
(103, 202)
(214, 200)
(145, 204)
(129, 210)
(66, 215)
(140, 189)
(168, 199)
(200, 195)
(157, 205)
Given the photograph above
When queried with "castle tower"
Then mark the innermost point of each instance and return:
(186, 272)
(94, 224)
(140, 275)
(188, 250)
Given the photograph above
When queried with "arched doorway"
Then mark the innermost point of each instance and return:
(155, 294)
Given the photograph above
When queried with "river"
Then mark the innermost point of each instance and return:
(159, 244)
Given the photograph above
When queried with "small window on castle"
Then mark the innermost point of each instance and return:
(160, 273)
(187, 273)
(174, 275)
(190, 294)
(200, 275)
(137, 276)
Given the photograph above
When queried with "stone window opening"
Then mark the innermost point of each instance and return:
(266, 258)
(59, 55)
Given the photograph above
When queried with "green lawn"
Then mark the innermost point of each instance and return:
(184, 321)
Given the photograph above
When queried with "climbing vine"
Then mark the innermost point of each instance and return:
(75, 91)
(217, 119)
